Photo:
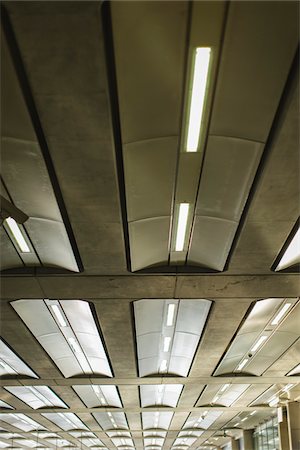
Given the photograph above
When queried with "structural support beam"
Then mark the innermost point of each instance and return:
(151, 286)
(248, 439)
(293, 419)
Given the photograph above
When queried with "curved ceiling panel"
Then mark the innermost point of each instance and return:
(168, 333)
(29, 181)
(68, 333)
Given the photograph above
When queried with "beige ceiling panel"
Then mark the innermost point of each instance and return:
(254, 67)
(149, 242)
(211, 242)
(150, 168)
(51, 240)
(229, 168)
(149, 45)
(27, 179)
(9, 255)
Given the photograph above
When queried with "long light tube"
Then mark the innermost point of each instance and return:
(225, 387)
(281, 313)
(181, 226)
(18, 235)
(59, 316)
(170, 315)
(242, 364)
(74, 345)
(167, 342)
(260, 341)
(200, 76)
(292, 254)
(163, 365)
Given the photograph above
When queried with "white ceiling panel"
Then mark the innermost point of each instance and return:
(66, 421)
(168, 333)
(149, 242)
(68, 333)
(5, 405)
(224, 395)
(21, 421)
(36, 397)
(268, 331)
(151, 420)
(11, 364)
(167, 394)
(111, 420)
(98, 395)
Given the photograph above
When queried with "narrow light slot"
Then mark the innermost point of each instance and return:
(274, 401)
(281, 313)
(292, 254)
(245, 418)
(236, 424)
(216, 397)
(225, 387)
(102, 400)
(96, 389)
(163, 365)
(74, 345)
(7, 367)
(59, 316)
(199, 83)
(181, 226)
(18, 235)
(260, 341)
(287, 387)
(170, 315)
(167, 342)
(242, 364)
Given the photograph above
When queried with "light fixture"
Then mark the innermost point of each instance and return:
(167, 394)
(11, 364)
(281, 313)
(197, 97)
(66, 421)
(287, 387)
(181, 226)
(260, 341)
(242, 364)
(252, 413)
(17, 235)
(163, 366)
(274, 401)
(68, 328)
(224, 387)
(58, 315)
(36, 396)
(292, 253)
(180, 320)
(245, 418)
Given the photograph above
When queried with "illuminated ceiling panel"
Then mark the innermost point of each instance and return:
(157, 419)
(21, 421)
(224, 395)
(11, 364)
(98, 395)
(168, 333)
(5, 405)
(154, 394)
(289, 256)
(36, 397)
(268, 331)
(66, 421)
(111, 420)
(49, 241)
(207, 172)
(67, 331)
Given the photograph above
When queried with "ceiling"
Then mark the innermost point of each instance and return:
(93, 104)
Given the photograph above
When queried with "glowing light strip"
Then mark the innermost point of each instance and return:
(181, 226)
(17, 234)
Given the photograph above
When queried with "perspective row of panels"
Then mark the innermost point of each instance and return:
(167, 333)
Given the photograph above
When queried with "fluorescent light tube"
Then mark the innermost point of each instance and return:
(281, 313)
(96, 389)
(181, 226)
(163, 365)
(216, 397)
(245, 418)
(292, 254)
(170, 315)
(274, 401)
(199, 83)
(260, 341)
(242, 364)
(236, 424)
(167, 342)
(18, 235)
(252, 413)
(225, 387)
(58, 315)
(74, 345)
(287, 387)
(102, 400)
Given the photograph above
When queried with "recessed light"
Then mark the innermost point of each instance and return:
(163, 365)
(58, 315)
(181, 226)
(197, 97)
(242, 364)
(167, 342)
(170, 315)
(18, 235)
(281, 313)
(260, 341)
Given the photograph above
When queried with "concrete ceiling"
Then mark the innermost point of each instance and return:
(63, 47)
